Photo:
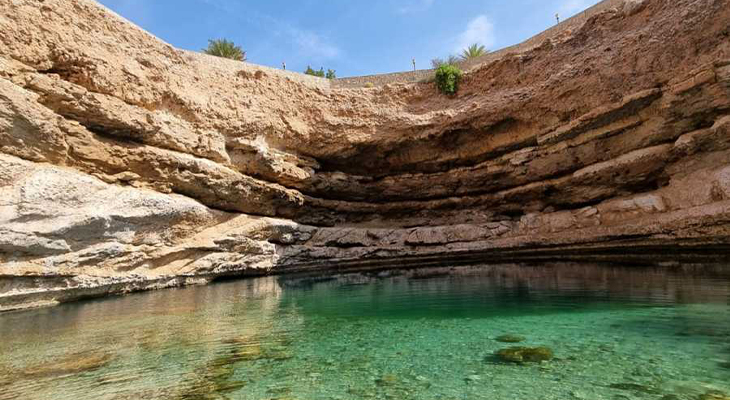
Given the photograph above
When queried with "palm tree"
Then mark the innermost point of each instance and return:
(224, 48)
(474, 51)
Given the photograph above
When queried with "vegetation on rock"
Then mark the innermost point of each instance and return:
(225, 49)
(448, 78)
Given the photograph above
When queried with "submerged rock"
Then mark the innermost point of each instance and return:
(387, 380)
(212, 380)
(279, 390)
(703, 331)
(509, 338)
(5, 378)
(525, 354)
(634, 387)
(73, 364)
(258, 352)
(714, 395)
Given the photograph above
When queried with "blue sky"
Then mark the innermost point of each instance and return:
(353, 37)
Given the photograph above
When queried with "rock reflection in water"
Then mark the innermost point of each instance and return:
(600, 333)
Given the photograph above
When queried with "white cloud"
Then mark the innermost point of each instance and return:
(314, 45)
(416, 6)
(478, 30)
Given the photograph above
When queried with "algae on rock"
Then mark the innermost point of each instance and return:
(522, 355)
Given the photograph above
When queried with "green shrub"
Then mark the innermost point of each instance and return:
(330, 74)
(310, 71)
(447, 79)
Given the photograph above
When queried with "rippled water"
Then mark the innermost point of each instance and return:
(616, 333)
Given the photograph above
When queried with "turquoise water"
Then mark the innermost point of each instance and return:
(616, 333)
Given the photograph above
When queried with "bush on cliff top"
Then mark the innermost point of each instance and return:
(313, 72)
(330, 74)
(448, 78)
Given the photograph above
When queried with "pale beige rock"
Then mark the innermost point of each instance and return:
(723, 182)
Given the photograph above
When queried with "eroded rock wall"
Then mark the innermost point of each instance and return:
(126, 164)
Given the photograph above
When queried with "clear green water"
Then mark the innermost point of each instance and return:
(617, 333)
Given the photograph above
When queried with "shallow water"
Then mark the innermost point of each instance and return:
(616, 333)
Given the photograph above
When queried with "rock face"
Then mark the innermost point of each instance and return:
(126, 164)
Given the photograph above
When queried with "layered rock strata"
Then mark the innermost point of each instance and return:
(126, 164)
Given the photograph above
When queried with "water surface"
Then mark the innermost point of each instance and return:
(616, 333)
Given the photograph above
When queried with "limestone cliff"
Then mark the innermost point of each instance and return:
(126, 164)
